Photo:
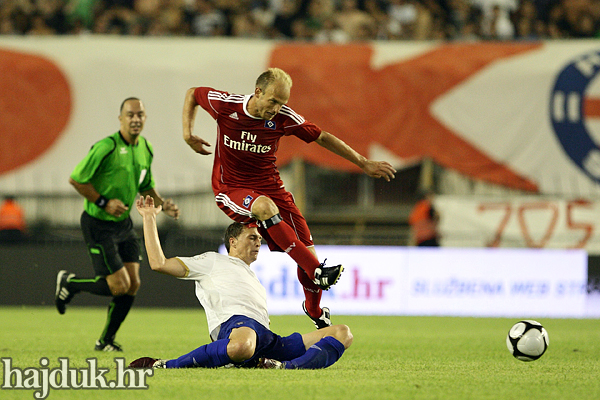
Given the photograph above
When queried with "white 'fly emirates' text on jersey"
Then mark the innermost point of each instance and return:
(226, 286)
(246, 148)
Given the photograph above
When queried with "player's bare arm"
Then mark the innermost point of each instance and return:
(156, 257)
(188, 118)
(375, 169)
(168, 207)
(114, 207)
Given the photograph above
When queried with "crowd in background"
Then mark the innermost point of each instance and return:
(320, 21)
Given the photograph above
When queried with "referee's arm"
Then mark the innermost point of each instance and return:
(114, 207)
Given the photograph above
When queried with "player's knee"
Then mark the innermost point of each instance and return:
(118, 290)
(343, 334)
(134, 286)
(119, 287)
(264, 208)
(241, 350)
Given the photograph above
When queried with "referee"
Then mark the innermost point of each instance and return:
(114, 171)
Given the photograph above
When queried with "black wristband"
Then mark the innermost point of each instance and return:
(101, 201)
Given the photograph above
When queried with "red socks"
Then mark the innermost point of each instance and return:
(283, 235)
(312, 294)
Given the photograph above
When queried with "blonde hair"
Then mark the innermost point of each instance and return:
(273, 75)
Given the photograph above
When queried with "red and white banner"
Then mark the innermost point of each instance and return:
(519, 222)
(524, 115)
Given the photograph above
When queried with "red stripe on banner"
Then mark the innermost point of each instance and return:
(336, 87)
(34, 107)
(591, 107)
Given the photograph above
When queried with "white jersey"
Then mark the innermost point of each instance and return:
(226, 286)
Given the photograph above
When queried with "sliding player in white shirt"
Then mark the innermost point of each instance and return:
(236, 307)
(245, 178)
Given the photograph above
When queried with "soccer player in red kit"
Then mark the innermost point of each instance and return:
(246, 180)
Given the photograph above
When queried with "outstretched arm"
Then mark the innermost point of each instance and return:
(156, 257)
(375, 169)
(189, 116)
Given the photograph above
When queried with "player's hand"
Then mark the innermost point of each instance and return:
(170, 209)
(115, 207)
(379, 169)
(145, 206)
(197, 144)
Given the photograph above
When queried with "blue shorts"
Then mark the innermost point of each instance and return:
(268, 344)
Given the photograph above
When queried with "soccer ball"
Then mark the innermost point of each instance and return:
(527, 340)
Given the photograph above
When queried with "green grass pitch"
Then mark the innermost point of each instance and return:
(391, 358)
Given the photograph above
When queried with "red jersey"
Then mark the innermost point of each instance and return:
(246, 145)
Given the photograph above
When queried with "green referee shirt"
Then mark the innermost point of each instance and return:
(117, 170)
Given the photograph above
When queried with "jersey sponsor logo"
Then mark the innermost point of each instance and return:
(270, 124)
(567, 112)
(248, 136)
(234, 115)
(243, 145)
(123, 150)
(247, 201)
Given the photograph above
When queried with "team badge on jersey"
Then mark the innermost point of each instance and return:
(247, 201)
(270, 124)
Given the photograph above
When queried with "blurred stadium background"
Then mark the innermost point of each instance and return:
(501, 123)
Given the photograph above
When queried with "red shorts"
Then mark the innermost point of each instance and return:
(237, 204)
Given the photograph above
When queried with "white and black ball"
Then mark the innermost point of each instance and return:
(527, 340)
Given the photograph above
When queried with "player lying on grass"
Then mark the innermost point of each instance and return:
(236, 307)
